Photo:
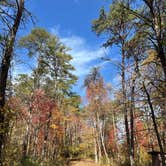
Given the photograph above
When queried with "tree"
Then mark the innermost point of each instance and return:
(48, 97)
(151, 24)
(17, 15)
(97, 99)
(118, 25)
(150, 91)
(54, 71)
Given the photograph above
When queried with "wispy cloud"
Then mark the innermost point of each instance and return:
(84, 56)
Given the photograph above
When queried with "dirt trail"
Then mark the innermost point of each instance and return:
(83, 162)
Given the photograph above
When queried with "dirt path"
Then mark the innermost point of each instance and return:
(84, 162)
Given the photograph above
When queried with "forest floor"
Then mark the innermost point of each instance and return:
(83, 162)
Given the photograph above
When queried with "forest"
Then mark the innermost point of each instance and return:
(45, 121)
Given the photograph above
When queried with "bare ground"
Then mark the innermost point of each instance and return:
(83, 162)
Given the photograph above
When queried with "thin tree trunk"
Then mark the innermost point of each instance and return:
(132, 108)
(132, 123)
(95, 146)
(102, 142)
(115, 135)
(98, 137)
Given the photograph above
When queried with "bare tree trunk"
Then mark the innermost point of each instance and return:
(98, 140)
(4, 69)
(102, 142)
(99, 148)
(95, 143)
(115, 134)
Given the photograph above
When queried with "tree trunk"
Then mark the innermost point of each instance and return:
(95, 142)
(103, 143)
(124, 99)
(97, 136)
(115, 135)
(155, 125)
(132, 108)
(132, 122)
(162, 58)
(4, 69)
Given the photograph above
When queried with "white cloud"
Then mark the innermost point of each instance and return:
(84, 55)
(75, 42)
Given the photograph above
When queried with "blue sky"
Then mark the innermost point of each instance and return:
(71, 21)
